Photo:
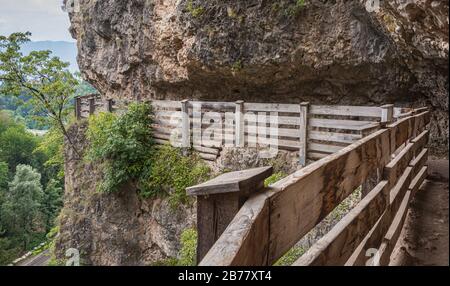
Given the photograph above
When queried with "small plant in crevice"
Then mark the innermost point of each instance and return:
(194, 11)
(274, 178)
(236, 66)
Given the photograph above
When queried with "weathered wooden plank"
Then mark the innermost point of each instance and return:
(268, 107)
(282, 120)
(316, 156)
(420, 121)
(168, 114)
(401, 131)
(208, 157)
(374, 238)
(240, 181)
(166, 104)
(393, 233)
(338, 244)
(207, 150)
(418, 180)
(363, 111)
(341, 124)
(303, 133)
(236, 246)
(280, 132)
(212, 105)
(303, 199)
(420, 141)
(240, 124)
(418, 162)
(168, 123)
(333, 137)
(397, 166)
(324, 148)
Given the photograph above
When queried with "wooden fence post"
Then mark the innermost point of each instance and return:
(220, 199)
(387, 114)
(109, 105)
(304, 108)
(78, 108)
(240, 124)
(91, 105)
(185, 124)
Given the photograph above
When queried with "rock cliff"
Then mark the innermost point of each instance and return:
(336, 52)
(119, 228)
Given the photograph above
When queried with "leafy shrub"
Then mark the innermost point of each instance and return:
(274, 178)
(188, 251)
(123, 145)
(171, 173)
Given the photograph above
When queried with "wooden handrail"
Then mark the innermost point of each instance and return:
(270, 223)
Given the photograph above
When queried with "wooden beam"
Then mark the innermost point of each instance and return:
(246, 240)
(303, 199)
(239, 124)
(303, 133)
(387, 113)
(393, 233)
(185, 124)
(338, 244)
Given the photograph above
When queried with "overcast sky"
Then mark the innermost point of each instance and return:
(44, 18)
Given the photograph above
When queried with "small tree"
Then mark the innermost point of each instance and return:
(47, 79)
(22, 205)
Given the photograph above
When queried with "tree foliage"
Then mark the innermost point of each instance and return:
(21, 209)
(43, 77)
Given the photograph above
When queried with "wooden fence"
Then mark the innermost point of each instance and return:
(272, 221)
(315, 131)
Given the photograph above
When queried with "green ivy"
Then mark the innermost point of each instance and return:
(123, 146)
(171, 173)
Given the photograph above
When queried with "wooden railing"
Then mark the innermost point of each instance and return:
(272, 221)
(315, 131)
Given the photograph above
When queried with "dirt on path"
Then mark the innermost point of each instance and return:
(424, 238)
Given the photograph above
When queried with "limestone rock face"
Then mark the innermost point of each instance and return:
(335, 52)
(118, 228)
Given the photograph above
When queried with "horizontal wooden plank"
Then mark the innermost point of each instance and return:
(208, 157)
(303, 199)
(169, 104)
(393, 233)
(281, 132)
(401, 131)
(374, 238)
(324, 148)
(282, 120)
(418, 180)
(333, 137)
(207, 150)
(316, 155)
(419, 162)
(341, 124)
(212, 105)
(269, 107)
(168, 123)
(338, 244)
(167, 114)
(397, 166)
(363, 111)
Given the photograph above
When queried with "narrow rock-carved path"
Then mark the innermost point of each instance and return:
(424, 238)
